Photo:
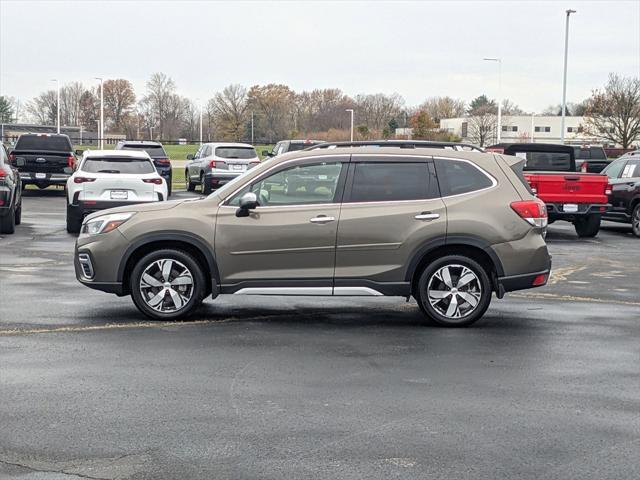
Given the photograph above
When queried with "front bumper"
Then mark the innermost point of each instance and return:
(100, 250)
(82, 208)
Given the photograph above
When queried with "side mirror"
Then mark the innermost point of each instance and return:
(79, 152)
(190, 156)
(248, 201)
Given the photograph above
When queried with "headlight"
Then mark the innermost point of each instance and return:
(105, 223)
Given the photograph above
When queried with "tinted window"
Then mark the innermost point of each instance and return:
(153, 151)
(456, 177)
(613, 170)
(43, 142)
(236, 152)
(117, 165)
(302, 184)
(546, 161)
(388, 182)
(596, 153)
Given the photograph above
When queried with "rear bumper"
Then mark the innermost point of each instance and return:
(218, 178)
(523, 282)
(556, 211)
(49, 178)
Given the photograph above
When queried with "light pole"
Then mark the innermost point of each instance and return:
(499, 60)
(350, 110)
(251, 128)
(101, 112)
(564, 78)
(200, 123)
(57, 104)
(150, 132)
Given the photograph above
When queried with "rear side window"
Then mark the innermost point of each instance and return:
(117, 165)
(456, 177)
(614, 169)
(152, 150)
(43, 142)
(242, 153)
(631, 170)
(595, 153)
(388, 182)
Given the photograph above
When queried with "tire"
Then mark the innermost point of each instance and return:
(169, 185)
(587, 227)
(190, 185)
(18, 213)
(635, 220)
(8, 221)
(74, 221)
(157, 301)
(438, 306)
(206, 186)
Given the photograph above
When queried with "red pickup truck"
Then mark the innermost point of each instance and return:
(576, 197)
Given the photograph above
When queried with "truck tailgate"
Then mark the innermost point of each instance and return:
(562, 187)
(43, 162)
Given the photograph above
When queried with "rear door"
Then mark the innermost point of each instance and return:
(390, 210)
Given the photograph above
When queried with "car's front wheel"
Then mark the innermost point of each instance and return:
(74, 220)
(635, 220)
(190, 185)
(167, 284)
(454, 291)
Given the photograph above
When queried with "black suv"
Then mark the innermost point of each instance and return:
(43, 159)
(624, 178)
(156, 152)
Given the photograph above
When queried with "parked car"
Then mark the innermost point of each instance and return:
(43, 159)
(157, 152)
(624, 177)
(111, 178)
(10, 194)
(590, 158)
(448, 230)
(579, 198)
(286, 146)
(215, 164)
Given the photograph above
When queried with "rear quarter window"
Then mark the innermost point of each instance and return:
(457, 177)
(43, 142)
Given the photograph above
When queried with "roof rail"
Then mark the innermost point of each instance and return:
(409, 144)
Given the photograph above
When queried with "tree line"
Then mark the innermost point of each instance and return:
(276, 111)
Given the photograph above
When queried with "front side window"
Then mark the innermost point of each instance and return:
(389, 182)
(457, 177)
(297, 185)
(118, 165)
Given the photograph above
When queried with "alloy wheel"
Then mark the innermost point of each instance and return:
(635, 222)
(166, 285)
(454, 291)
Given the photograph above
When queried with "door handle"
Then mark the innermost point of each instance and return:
(427, 216)
(322, 219)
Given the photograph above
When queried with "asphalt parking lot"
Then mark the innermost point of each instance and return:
(547, 385)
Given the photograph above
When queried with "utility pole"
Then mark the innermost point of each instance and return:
(564, 78)
(350, 110)
(101, 112)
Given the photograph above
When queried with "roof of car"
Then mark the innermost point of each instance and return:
(148, 143)
(116, 153)
(228, 144)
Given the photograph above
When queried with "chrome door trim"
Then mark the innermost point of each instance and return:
(310, 291)
(356, 292)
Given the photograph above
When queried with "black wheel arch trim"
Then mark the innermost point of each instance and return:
(194, 240)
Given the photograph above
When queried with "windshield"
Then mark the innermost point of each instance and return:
(236, 152)
(118, 165)
(153, 150)
(43, 142)
(546, 161)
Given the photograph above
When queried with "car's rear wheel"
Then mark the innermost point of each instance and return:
(206, 185)
(8, 221)
(167, 284)
(18, 214)
(190, 185)
(635, 220)
(588, 226)
(454, 291)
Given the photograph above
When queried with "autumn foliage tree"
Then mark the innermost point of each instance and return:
(119, 100)
(422, 125)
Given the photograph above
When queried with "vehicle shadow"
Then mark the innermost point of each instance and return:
(47, 192)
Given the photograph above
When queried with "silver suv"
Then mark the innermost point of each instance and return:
(215, 164)
(446, 227)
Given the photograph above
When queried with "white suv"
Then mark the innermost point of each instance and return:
(111, 178)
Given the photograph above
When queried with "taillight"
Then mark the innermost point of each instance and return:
(534, 212)
(2, 173)
(70, 161)
(12, 158)
(540, 280)
(216, 163)
(163, 161)
(583, 167)
(534, 188)
(156, 181)
(608, 190)
(83, 179)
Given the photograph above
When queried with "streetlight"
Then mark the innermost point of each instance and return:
(101, 112)
(150, 132)
(251, 128)
(57, 104)
(499, 60)
(350, 110)
(564, 79)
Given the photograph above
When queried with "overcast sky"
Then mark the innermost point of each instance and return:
(417, 49)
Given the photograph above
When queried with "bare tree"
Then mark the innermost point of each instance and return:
(614, 113)
(510, 108)
(482, 125)
(6, 109)
(443, 107)
(158, 101)
(230, 112)
(274, 104)
(375, 110)
(42, 109)
(119, 100)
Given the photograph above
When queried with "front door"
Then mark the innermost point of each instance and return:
(287, 244)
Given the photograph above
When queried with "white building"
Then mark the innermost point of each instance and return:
(527, 128)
